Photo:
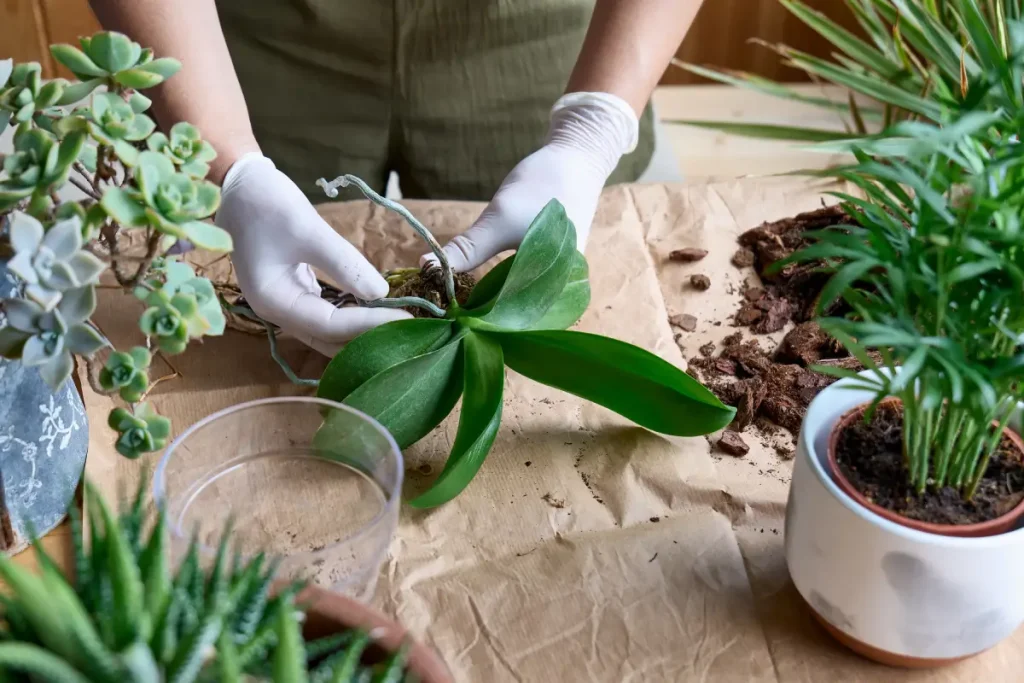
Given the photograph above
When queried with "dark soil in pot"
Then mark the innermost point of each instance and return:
(427, 283)
(870, 457)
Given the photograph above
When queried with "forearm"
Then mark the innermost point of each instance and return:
(205, 92)
(628, 46)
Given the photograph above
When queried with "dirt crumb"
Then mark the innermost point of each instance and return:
(688, 255)
(707, 350)
(733, 444)
(683, 321)
(552, 501)
(700, 282)
(743, 258)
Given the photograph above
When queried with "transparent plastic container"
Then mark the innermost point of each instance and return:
(310, 482)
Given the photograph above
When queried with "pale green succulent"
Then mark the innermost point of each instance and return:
(172, 320)
(171, 202)
(141, 431)
(51, 261)
(38, 165)
(113, 122)
(46, 339)
(186, 148)
(24, 97)
(115, 60)
(179, 278)
(127, 372)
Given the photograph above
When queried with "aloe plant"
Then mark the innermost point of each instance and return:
(409, 374)
(129, 616)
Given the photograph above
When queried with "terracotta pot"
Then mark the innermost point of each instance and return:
(1000, 525)
(330, 613)
(898, 595)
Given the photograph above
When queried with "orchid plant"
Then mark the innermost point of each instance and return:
(141, 191)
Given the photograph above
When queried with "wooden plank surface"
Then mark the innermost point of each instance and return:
(721, 35)
(23, 31)
(65, 21)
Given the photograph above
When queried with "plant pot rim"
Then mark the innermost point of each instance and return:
(328, 610)
(991, 527)
(814, 432)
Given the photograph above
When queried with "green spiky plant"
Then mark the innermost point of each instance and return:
(913, 60)
(128, 616)
(142, 190)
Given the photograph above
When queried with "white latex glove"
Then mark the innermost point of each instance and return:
(278, 235)
(589, 133)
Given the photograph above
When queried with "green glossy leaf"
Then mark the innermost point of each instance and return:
(539, 272)
(112, 51)
(165, 67)
(76, 61)
(139, 102)
(123, 207)
(138, 79)
(140, 129)
(126, 152)
(207, 236)
(624, 378)
(76, 92)
(483, 384)
(486, 290)
(572, 303)
(408, 399)
(70, 149)
(5, 118)
(379, 349)
(50, 93)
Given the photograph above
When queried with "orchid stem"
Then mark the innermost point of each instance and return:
(331, 190)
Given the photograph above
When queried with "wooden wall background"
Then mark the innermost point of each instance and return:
(719, 37)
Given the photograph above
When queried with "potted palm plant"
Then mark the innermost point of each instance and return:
(902, 526)
(128, 615)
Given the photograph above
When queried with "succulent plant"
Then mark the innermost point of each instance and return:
(38, 165)
(112, 121)
(46, 339)
(179, 278)
(127, 373)
(185, 148)
(172, 320)
(114, 59)
(24, 96)
(169, 201)
(141, 431)
(129, 615)
(51, 261)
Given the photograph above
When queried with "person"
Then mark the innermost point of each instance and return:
(455, 96)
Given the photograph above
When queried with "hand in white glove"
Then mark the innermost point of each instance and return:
(588, 135)
(278, 235)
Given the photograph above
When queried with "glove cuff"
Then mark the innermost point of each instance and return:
(239, 167)
(602, 124)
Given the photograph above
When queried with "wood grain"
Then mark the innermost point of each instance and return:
(721, 34)
(65, 21)
(22, 32)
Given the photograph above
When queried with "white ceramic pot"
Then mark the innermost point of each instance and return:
(897, 595)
